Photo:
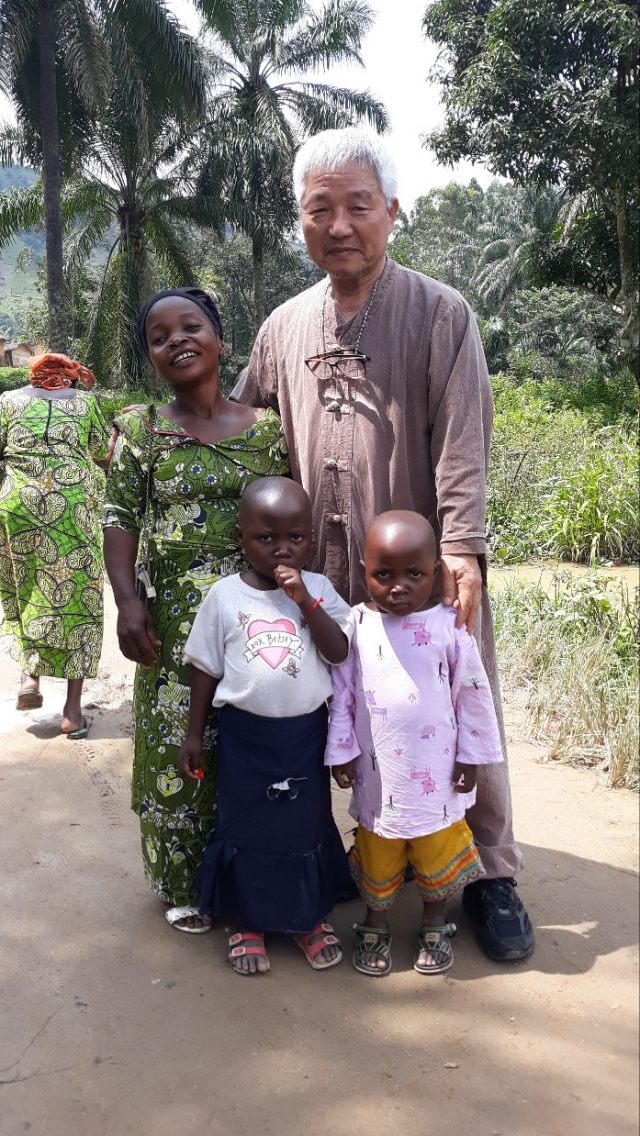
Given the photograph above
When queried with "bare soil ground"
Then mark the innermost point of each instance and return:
(112, 1023)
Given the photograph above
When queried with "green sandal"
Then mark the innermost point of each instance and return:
(435, 941)
(372, 941)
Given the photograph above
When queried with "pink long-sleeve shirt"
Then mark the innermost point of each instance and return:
(411, 699)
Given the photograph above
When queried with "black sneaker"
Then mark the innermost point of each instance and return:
(503, 928)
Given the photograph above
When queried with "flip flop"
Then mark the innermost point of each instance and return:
(81, 732)
(29, 699)
(175, 914)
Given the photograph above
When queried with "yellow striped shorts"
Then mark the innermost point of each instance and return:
(443, 862)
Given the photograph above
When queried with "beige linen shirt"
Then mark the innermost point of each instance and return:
(414, 434)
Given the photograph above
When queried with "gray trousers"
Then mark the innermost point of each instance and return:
(491, 818)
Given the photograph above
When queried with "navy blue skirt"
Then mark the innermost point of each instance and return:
(276, 861)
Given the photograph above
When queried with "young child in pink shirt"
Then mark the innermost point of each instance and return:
(411, 718)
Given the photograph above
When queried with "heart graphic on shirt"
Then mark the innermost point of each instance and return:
(271, 655)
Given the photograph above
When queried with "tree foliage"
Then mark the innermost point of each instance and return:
(131, 212)
(487, 244)
(546, 92)
(227, 268)
(61, 61)
(260, 109)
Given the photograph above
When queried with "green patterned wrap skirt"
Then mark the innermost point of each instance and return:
(51, 568)
(195, 493)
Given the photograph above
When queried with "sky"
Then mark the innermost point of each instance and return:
(397, 61)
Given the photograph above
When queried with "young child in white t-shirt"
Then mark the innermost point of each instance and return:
(261, 648)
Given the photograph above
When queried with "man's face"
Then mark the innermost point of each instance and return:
(346, 222)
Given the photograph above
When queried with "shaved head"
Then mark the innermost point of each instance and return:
(400, 527)
(274, 494)
(400, 562)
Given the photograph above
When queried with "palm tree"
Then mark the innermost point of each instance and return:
(516, 221)
(260, 111)
(60, 60)
(133, 205)
(440, 238)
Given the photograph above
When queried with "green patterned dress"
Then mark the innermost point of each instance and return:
(192, 542)
(51, 569)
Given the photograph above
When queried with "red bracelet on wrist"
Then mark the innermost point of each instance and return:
(314, 605)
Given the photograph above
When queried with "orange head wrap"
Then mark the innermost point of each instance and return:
(55, 372)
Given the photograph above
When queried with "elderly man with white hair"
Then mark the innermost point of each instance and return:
(380, 380)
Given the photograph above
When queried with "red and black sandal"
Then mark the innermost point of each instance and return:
(315, 941)
(246, 943)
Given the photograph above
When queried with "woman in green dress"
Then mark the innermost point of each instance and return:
(51, 569)
(182, 466)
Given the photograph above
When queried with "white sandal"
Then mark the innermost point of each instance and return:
(175, 914)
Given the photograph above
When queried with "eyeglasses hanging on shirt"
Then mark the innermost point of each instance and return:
(339, 363)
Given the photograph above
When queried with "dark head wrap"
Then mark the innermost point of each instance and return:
(201, 299)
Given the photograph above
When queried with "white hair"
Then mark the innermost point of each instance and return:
(332, 149)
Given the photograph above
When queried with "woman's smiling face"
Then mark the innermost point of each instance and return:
(183, 343)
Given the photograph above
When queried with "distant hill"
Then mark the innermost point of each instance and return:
(16, 177)
(18, 288)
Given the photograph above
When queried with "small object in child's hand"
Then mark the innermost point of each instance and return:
(344, 777)
(200, 774)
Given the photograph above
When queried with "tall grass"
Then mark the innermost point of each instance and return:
(561, 484)
(575, 650)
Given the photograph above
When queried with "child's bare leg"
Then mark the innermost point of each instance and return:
(432, 916)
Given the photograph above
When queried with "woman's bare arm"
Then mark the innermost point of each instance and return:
(136, 634)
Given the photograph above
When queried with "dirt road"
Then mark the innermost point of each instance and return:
(112, 1023)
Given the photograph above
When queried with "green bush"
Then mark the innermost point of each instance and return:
(560, 483)
(574, 648)
(12, 377)
(113, 402)
(606, 399)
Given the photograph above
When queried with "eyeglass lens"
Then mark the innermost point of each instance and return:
(341, 366)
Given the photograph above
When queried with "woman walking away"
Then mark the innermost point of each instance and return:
(51, 569)
(176, 477)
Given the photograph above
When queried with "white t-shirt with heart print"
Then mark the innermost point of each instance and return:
(258, 645)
